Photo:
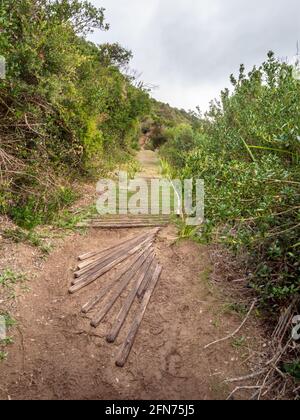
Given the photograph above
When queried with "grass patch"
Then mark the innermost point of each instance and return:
(9, 322)
(64, 219)
(9, 280)
(186, 231)
(293, 369)
(219, 388)
(42, 210)
(69, 220)
(6, 341)
(237, 308)
(19, 235)
(238, 342)
(205, 281)
(30, 237)
(8, 319)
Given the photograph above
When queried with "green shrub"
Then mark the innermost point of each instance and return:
(41, 209)
(65, 105)
(293, 369)
(247, 151)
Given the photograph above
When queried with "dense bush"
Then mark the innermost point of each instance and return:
(66, 108)
(247, 151)
(161, 125)
(179, 140)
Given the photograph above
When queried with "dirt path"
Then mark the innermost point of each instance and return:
(149, 164)
(57, 355)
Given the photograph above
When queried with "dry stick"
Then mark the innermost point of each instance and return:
(127, 346)
(297, 389)
(289, 322)
(93, 254)
(104, 270)
(283, 231)
(146, 280)
(245, 378)
(284, 320)
(93, 302)
(114, 332)
(272, 386)
(273, 363)
(236, 331)
(121, 287)
(109, 257)
(239, 388)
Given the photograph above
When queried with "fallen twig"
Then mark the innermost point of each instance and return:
(245, 378)
(239, 388)
(236, 331)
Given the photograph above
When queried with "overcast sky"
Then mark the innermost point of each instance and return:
(189, 48)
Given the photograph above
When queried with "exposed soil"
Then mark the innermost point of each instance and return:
(57, 355)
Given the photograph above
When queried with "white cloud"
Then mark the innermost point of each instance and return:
(189, 48)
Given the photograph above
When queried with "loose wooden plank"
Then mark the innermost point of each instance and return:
(127, 346)
(97, 267)
(120, 288)
(96, 299)
(93, 254)
(133, 217)
(121, 220)
(99, 263)
(102, 254)
(139, 223)
(126, 225)
(87, 276)
(91, 278)
(143, 218)
(129, 252)
(143, 286)
(114, 332)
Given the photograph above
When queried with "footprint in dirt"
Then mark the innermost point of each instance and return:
(174, 363)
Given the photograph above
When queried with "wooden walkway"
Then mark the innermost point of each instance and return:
(135, 261)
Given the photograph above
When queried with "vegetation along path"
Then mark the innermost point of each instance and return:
(57, 355)
(73, 111)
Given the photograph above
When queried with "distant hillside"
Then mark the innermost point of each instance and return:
(162, 117)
